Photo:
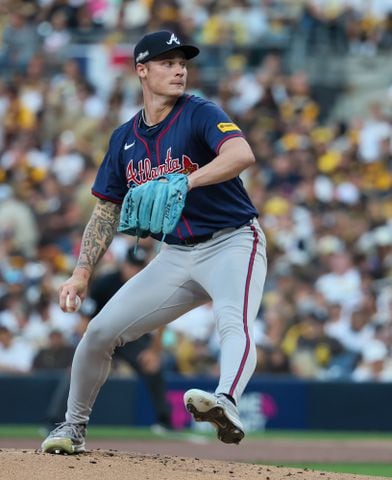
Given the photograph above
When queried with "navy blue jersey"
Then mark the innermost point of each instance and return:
(187, 139)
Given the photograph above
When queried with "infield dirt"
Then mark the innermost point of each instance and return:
(168, 460)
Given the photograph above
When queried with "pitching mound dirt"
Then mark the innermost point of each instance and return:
(16, 464)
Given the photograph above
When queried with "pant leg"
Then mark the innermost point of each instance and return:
(154, 382)
(156, 385)
(58, 402)
(232, 270)
(157, 295)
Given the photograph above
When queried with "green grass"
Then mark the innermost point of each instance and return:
(322, 435)
(32, 431)
(94, 432)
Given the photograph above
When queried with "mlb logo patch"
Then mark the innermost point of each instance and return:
(227, 127)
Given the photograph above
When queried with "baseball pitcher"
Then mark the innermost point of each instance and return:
(171, 172)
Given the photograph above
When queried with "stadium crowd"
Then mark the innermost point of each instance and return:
(323, 188)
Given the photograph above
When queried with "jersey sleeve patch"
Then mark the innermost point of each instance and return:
(227, 127)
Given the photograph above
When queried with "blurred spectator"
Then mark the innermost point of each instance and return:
(56, 355)
(12, 303)
(272, 360)
(39, 324)
(67, 164)
(17, 221)
(356, 331)
(87, 28)
(375, 365)
(57, 38)
(312, 352)
(342, 282)
(384, 304)
(18, 118)
(194, 348)
(34, 85)
(237, 21)
(16, 355)
(375, 129)
(299, 106)
(126, 15)
(44, 314)
(367, 22)
(323, 26)
(19, 41)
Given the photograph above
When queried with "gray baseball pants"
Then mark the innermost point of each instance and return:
(229, 269)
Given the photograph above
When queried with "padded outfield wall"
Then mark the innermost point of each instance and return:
(268, 403)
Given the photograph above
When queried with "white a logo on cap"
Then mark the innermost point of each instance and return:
(173, 39)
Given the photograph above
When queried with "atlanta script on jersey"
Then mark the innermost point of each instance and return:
(189, 137)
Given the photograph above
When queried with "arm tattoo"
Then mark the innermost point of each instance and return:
(99, 233)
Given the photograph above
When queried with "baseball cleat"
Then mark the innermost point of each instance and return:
(219, 411)
(66, 439)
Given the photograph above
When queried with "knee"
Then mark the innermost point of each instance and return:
(98, 338)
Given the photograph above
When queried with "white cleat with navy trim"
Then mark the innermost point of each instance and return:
(218, 410)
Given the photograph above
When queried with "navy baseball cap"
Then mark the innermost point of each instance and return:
(154, 44)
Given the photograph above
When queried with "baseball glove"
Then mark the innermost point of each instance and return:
(154, 207)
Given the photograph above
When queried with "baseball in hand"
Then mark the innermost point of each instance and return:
(72, 306)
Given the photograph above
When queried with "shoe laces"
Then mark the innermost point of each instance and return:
(76, 430)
